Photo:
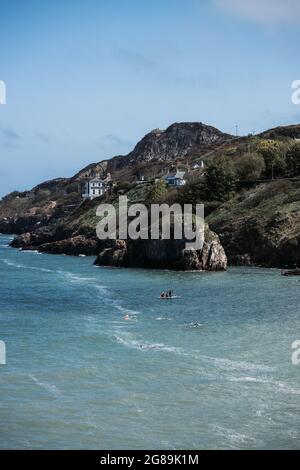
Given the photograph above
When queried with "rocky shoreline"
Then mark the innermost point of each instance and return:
(158, 254)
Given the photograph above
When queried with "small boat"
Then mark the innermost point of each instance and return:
(169, 298)
(292, 272)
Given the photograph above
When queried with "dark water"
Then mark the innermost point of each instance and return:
(79, 375)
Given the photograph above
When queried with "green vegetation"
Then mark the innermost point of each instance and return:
(272, 152)
(293, 160)
(221, 179)
(249, 167)
(157, 193)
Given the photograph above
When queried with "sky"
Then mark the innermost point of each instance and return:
(86, 79)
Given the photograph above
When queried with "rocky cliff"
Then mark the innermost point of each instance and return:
(166, 254)
(73, 238)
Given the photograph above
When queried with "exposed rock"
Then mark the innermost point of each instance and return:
(178, 140)
(79, 245)
(166, 254)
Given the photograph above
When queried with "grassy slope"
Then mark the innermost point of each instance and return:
(259, 221)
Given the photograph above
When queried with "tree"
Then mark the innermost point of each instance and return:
(293, 160)
(249, 167)
(157, 193)
(221, 179)
(273, 155)
(193, 192)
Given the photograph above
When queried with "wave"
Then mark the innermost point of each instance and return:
(128, 340)
(276, 385)
(22, 266)
(104, 292)
(229, 364)
(46, 386)
(234, 437)
(10, 263)
(73, 277)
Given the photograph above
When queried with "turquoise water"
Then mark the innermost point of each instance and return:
(79, 375)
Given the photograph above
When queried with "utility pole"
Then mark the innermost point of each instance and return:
(236, 130)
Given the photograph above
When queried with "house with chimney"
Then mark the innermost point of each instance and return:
(96, 187)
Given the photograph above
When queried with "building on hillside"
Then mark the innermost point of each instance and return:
(196, 166)
(175, 179)
(95, 187)
(142, 180)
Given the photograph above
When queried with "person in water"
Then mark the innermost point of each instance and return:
(166, 295)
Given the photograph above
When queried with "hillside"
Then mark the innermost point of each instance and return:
(261, 226)
(258, 221)
(158, 152)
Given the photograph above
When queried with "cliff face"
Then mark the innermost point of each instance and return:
(262, 226)
(166, 254)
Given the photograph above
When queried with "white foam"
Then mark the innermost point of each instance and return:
(229, 364)
(48, 387)
(126, 339)
(22, 266)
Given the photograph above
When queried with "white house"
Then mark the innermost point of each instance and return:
(94, 188)
(175, 179)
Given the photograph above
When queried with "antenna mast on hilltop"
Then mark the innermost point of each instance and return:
(236, 130)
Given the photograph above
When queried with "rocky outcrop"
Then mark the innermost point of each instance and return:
(79, 245)
(178, 140)
(165, 254)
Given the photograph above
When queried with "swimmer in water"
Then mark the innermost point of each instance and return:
(126, 317)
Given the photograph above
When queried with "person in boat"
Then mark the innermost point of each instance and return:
(170, 293)
(162, 295)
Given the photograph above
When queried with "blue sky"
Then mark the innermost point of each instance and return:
(87, 79)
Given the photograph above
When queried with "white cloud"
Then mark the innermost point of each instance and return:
(263, 11)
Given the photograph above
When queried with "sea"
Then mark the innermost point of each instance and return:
(96, 360)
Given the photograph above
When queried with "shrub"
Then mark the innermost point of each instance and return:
(293, 160)
(272, 152)
(250, 167)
